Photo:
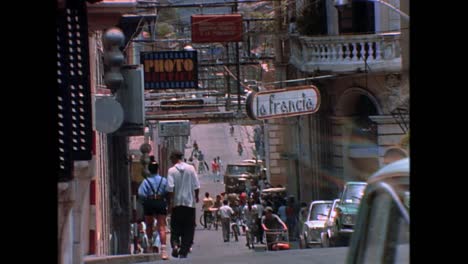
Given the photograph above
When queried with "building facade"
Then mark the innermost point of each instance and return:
(357, 55)
(85, 202)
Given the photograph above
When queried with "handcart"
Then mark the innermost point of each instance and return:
(276, 239)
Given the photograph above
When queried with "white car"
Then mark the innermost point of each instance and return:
(315, 222)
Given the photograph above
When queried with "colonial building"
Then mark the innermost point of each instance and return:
(85, 195)
(357, 56)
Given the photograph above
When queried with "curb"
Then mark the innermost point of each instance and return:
(121, 259)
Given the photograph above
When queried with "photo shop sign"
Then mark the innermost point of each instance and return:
(291, 101)
(170, 69)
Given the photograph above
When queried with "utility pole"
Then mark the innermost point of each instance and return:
(238, 69)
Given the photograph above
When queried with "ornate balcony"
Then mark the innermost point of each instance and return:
(346, 53)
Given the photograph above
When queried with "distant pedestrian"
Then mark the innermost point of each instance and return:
(183, 187)
(215, 170)
(220, 165)
(226, 213)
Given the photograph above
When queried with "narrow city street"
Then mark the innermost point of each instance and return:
(215, 140)
(306, 105)
(209, 246)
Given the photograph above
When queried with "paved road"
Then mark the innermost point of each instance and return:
(215, 140)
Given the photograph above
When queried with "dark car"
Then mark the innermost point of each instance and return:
(382, 228)
(237, 174)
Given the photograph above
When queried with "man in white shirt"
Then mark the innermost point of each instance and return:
(226, 213)
(183, 187)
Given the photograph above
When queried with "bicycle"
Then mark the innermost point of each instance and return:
(212, 219)
(235, 227)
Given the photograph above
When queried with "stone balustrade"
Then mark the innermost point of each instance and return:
(346, 53)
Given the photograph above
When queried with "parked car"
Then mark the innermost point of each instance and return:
(329, 222)
(382, 228)
(315, 222)
(346, 211)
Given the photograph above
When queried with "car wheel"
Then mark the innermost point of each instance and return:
(306, 242)
(301, 242)
(324, 239)
(333, 241)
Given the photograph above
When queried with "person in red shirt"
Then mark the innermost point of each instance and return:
(215, 170)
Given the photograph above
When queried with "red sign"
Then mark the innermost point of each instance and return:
(216, 28)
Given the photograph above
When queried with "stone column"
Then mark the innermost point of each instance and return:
(276, 164)
(340, 132)
(65, 204)
(84, 172)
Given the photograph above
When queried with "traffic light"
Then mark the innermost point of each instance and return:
(113, 40)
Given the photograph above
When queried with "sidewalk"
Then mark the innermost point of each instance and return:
(121, 259)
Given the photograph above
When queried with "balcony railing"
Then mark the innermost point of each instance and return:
(381, 52)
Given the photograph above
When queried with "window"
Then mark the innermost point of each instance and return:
(359, 17)
(386, 235)
(320, 211)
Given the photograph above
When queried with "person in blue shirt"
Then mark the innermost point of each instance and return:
(153, 192)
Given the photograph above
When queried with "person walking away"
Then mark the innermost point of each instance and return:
(220, 167)
(214, 170)
(292, 213)
(282, 211)
(240, 149)
(260, 210)
(207, 205)
(183, 187)
(226, 213)
(272, 221)
(154, 195)
(202, 166)
(250, 214)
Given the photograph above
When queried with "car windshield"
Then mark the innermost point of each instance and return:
(353, 193)
(320, 211)
(235, 169)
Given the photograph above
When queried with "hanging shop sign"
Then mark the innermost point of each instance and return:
(174, 128)
(216, 28)
(292, 101)
(170, 69)
(181, 104)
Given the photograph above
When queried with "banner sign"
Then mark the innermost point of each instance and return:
(291, 101)
(216, 28)
(170, 69)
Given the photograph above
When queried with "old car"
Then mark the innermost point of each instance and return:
(329, 222)
(237, 174)
(346, 211)
(382, 228)
(315, 222)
